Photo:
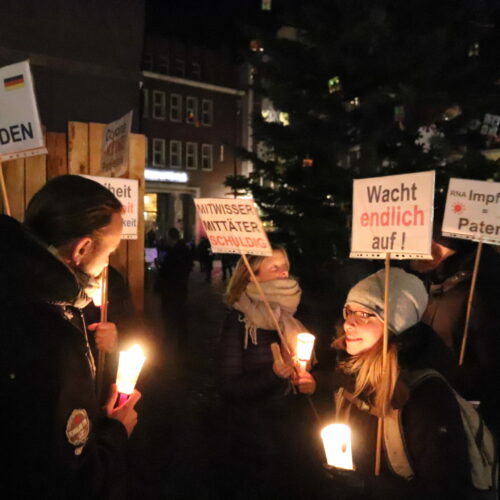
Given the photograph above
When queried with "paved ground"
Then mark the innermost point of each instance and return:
(177, 446)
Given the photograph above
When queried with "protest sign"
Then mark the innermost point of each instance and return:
(233, 226)
(127, 191)
(114, 156)
(472, 211)
(20, 130)
(393, 214)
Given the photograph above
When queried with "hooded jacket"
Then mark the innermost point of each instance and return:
(57, 444)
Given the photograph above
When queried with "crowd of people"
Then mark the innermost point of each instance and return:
(64, 443)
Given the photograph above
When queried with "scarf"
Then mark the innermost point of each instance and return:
(87, 285)
(283, 296)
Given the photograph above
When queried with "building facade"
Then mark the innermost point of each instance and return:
(193, 110)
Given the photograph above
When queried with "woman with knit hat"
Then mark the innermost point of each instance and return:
(260, 393)
(431, 424)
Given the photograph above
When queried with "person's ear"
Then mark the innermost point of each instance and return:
(81, 249)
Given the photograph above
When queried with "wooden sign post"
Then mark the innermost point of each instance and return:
(472, 213)
(392, 218)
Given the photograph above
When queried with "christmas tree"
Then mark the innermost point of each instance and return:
(353, 89)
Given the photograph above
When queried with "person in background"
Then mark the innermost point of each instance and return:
(431, 423)
(206, 258)
(264, 415)
(448, 278)
(59, 442)
(173, 277)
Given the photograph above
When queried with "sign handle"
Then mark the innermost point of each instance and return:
(101, 356)
(380, 425)
(469, 302)
(5, 198)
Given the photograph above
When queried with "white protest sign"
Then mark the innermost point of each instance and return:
(115, 146)
(393, 215)
(233, 226)
(20, 130)
(127, 191)
(472, 211)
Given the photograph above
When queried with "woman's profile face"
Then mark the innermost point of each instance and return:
(274, 267)
(362, 328)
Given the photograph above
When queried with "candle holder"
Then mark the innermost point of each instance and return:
(305, 344)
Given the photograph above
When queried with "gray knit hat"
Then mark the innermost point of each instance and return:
(407, 297)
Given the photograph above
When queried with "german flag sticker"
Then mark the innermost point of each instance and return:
(14, 82)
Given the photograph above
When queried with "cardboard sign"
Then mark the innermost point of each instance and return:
(233, 226)
(20, 130)
(127, 191)
(393, 215)
(114, 156)
(472, 211)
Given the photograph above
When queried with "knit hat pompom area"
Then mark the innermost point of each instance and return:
(407, 297)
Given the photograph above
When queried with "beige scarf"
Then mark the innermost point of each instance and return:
(283, 296)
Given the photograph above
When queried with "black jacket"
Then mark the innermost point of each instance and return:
(57, 445)
(449, 287)
(432, 426)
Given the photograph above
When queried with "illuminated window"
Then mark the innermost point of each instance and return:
(191, 110)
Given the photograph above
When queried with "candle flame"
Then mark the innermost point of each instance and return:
(129, 368)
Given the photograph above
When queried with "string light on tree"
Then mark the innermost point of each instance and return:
(334, 85)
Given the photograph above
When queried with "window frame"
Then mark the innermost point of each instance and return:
(177, 108)
(195, 109)
(195, 155)
(162, 105)
(204, 148)
(170, 155)
(209, 112)
(154, 142)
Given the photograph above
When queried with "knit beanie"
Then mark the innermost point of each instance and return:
(407, 297)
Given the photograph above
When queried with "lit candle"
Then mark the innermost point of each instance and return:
(337, 443)
(129, 368)
(97, 295)
(305, 344)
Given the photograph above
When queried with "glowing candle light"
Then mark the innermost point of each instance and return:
(305, 344)
(129, 368)
(97, 295)
(337, 442)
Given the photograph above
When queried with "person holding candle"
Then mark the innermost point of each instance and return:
(257, 389)
(431, 423)
(59, 443)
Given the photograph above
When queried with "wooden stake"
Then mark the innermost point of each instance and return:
(469, 302)
(5, 198)
(101, 356)
(380, 426)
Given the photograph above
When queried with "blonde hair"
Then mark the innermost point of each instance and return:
(370, 380)
(241, 277)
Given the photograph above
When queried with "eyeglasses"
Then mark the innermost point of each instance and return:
(360, 317)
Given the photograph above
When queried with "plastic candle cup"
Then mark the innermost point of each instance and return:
(337, 443)
(305, 344)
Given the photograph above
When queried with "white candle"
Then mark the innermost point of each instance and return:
(305, 344)
(337, 443)
(129, 368)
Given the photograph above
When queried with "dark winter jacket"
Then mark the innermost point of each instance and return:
(247, 374)
(432, 426)
(57, 445)
(449, 287)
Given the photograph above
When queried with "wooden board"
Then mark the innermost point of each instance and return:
(13, 172)
(57, 159)
(95, 146)
(78, 148)
(35, 176)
